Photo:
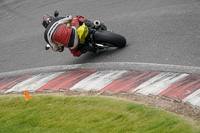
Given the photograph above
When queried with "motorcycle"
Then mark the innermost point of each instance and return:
(97, 36)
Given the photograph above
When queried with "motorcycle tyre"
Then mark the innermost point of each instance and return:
(110, 37)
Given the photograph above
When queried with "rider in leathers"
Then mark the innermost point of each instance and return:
(59, 35)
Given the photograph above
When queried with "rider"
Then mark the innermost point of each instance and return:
(59, 35)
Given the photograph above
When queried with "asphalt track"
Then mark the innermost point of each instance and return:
(157, 32)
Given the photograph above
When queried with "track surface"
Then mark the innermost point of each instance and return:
(157, 31)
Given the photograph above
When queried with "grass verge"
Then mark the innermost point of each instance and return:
(46, 113)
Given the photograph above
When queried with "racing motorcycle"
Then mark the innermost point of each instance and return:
(98, 37)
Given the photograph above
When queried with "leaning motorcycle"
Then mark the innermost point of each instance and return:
(98, 37)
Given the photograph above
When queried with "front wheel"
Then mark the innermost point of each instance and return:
(110, 37)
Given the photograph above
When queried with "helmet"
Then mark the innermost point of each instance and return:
(46, 19)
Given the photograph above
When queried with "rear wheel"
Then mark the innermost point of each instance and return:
(110, 37)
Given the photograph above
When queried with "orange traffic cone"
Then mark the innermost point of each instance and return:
(27, 96)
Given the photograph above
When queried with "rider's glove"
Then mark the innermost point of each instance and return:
(61, 48)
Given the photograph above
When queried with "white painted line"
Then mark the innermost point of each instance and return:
(106, 66)
(159, 83)
(194, 98)
(98, 80)
(191, 95)
(33, 83)
(195, 101)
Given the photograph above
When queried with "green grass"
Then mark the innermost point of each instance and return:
(55, 114)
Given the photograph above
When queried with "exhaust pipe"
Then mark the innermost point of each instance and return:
(97, 23)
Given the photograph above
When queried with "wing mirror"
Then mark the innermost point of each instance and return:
(56, 13)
